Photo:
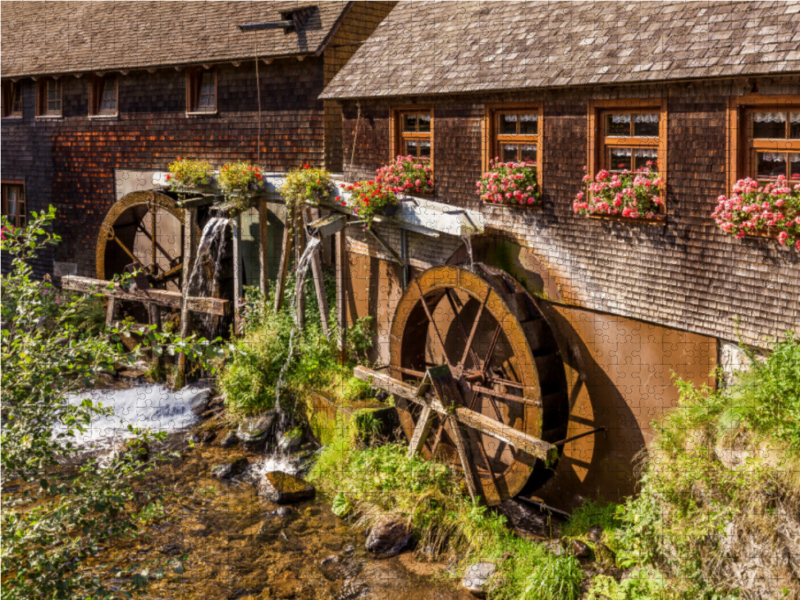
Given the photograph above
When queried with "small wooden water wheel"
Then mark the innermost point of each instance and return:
(477, 378)
(145, 228)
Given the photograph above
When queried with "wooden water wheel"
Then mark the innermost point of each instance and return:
(145, 228)
(477, 339)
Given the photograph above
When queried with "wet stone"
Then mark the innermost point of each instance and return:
(477, 578)
(595, 533)
(200, 402)
(525, 519)
(291, 440)
(578, 549)
(282, 488)
(229, 440)
(255, 429)
(228, 470)
(388, 537)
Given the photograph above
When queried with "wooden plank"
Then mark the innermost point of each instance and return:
(421, 431)
(238, 270)
(518, 439)
(300, 291)
(341, 299)
(263, 248)
(110, 310)
(470, 473)
(286, 253)
(214, 306)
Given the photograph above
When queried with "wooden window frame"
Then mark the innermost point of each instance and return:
(490, 140)
(397, 136)
(96, 89)
(193, 77)
(597, 142)
(741, 148)
(4, 185)
(41, 99)
(10, 89)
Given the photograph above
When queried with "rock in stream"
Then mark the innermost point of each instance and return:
(282, 488)
(388, 537)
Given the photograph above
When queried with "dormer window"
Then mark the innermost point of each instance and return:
(201, 91)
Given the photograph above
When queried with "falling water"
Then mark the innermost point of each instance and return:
(468, 243)
(213, 243)
(300, 277)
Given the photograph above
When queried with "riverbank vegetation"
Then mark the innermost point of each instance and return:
(61, 506)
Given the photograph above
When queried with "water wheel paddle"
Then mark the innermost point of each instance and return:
(146, 228)
(483, 332)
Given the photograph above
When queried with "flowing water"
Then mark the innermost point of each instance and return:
(236, 547)
(205, 275)
(468, 243)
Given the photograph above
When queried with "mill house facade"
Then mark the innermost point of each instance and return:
(701, 94)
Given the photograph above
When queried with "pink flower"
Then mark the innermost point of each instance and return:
(782, 238)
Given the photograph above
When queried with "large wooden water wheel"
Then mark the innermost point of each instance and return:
(143, 228)
(477, 338)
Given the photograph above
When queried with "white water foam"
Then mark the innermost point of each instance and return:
(267, 464)
(144, 406)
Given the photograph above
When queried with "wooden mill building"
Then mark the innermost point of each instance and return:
(631, 301)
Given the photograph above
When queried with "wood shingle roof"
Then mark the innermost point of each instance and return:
(41, 38)
(426, 47)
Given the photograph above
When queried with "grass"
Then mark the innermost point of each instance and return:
(368, 482)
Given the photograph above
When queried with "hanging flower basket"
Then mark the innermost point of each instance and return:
(307, 185)
(510, 183)
(407, 174)
(771, 210)
(239, 182)
(627, 194)
(369, 198)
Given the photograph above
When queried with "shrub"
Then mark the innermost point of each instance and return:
(185, 173)
(629, 194)
(370, 198)
(307, 185)
(773, 209)
(509, 183)
(407, 174)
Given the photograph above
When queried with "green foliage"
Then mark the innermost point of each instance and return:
(237, 179)
(644, 584)
(186, 173)
(56, 517)
(307, 185)
(589, 514)
(371, 481)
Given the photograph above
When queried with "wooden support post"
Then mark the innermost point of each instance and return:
(319, 284)
(341, 300)
(238, 274)
(286, 254)
(189, 247)
(421, 431)
(470, 473)
(300, 291)
(111, 309)
(263, 248)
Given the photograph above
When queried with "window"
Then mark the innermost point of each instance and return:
(14, 202)
(414, 133)
(201, 91)
(763, 138)
(48, 100)
(773, 144)
(513, 133)
(628, 135)
(104, 96)
(12, 100)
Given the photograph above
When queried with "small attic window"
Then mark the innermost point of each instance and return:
(201, 91)
(299, 17)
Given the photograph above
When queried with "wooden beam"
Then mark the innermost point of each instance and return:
(214, 306)
(319, 283)
(421, 431)
(286, 253)
(470, 474)
(263, 248)
(534, 446)
(238, 268)
(341, 300)
(300, 287)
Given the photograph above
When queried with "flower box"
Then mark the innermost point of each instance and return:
(510, 184)
(771, 210)
(633, 195)
(307, 185)
(407, 174)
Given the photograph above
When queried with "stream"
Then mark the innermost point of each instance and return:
(237, 546)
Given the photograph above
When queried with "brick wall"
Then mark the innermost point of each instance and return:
(683, 274)
(70, 162)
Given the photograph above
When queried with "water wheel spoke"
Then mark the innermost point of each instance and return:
(154, 240)
(432, 322)
(488, 360)
(471, 337)
(491, 478)
(504, 395)
(506, 382)
(468, 349)
(438, 438)
(126, 250)
(173, 272)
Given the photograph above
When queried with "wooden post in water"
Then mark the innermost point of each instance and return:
(189, 245)
(341, 300)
